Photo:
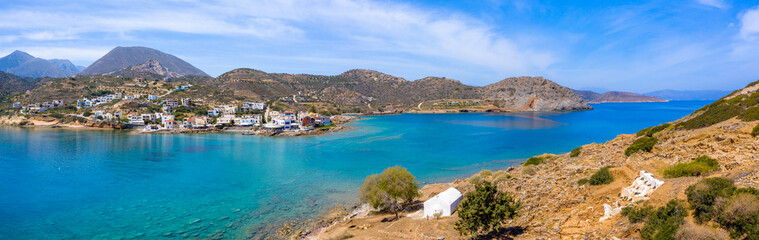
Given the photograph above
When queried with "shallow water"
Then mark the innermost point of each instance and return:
(73, 184)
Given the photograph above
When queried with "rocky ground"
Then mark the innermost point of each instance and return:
(556, 207)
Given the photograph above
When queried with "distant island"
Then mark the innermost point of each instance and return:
(615, 97)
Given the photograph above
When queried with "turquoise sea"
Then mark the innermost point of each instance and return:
(78, 184)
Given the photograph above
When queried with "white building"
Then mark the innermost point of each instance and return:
(248, 120)
(252, 106)
(225, 119)
(153, 97)
(17, 105)
(444, 203)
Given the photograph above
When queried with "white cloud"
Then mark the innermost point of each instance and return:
(750, 23)
(714, 3)
(362, 25)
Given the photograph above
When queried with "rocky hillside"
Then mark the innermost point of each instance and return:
(151, 69)
(559, 201)
(533, 94)
(372, 88)
(12, 84)
(25, 65)
(126, 57)
(615, 97)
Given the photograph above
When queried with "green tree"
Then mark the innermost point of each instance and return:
(485, 209)
(390, 189)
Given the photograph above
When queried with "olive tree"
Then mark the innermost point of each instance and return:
(485, 209)
(390, 189)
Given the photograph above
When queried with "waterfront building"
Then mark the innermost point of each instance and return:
(445, 203)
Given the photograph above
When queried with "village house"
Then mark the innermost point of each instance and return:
(225, 119)
(186, 102)
(252, 106)
(153, 97)
(173, 103)
(135, 119)
(17, 105)
(248, 120)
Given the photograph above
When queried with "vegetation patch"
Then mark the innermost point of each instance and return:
(665, 221)
(534, 161)
(697, 167)
(636, 214)
(484, 210)
(575, 152)
(744, 107)
(736, 209)
(641, 144)
(529, 170)
(582, 181)
(755, 132)
(650, 131)
(601, 177)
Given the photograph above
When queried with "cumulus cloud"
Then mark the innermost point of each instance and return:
(363, 25)
(750, 23)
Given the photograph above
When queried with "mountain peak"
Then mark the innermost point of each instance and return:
(124, 57)
(25, 65)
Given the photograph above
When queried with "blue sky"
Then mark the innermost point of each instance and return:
(634, 46)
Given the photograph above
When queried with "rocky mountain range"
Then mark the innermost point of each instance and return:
(358, 87)
(126, 58)
(615, 97)
(25, 65)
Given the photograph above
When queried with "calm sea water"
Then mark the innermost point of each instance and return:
(68, 184)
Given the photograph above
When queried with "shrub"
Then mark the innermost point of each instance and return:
(529, 170)
(755, 131)
(534, 161)
(690, 231)
(718, 111)
(342, 236)
(664, 222)
(650, 131)
(637, 214)
(575, 152)
(601, 177)
(385, 190)
(697, 167)
(739, 214)
(486, 173)
(642, 144)
(500, 176)
(582, 181)
(704, 194)
(485, 209)
(474, 179)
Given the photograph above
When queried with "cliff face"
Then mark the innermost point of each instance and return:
(533, 94)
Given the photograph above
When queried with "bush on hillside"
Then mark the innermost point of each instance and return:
(534, 161)
(582, 181)
(739, 214)
(576, 152)
(703, 195)
(755, 132)
(691, 231)
(650, 131)
(389, 189)
(484, 210)
(529, 170)
(601, 177)
(485, 173)
(641, 144)
(665, 221)
(637, 214)
(697, 167)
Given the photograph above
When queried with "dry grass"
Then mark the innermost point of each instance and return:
(692, 231)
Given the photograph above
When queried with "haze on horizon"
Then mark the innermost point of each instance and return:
(646, 46)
